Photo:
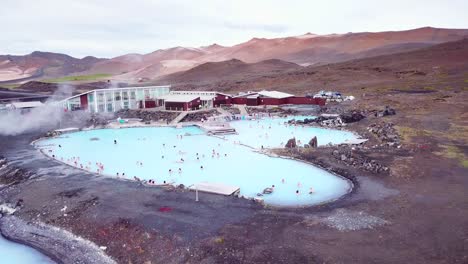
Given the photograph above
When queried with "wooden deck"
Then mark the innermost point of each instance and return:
(217, 188)
(218, 130)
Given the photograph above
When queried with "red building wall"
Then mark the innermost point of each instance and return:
(253, 101)
(84, 101)
(273, 101)
(222, 99)
(306, 100)
(150, 104)
(193, 105)
(185, 106)
(175, 105)
(239, 100)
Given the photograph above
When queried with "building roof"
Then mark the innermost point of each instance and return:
(207, 97)
(19, 105)
(204, 95)
(271, 94)
(275, 94)
(179, 98)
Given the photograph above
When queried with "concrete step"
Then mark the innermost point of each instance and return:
(179, 118)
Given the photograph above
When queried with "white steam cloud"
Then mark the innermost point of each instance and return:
(50, 114)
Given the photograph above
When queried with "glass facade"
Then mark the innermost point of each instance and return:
(111, 100)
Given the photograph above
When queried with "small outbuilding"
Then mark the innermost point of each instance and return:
(181, 102)
(23, 107)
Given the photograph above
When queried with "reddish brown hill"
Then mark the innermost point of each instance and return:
(442, 66)
(150, 65)
(229, 70)
(42, 63)
(308, 49)
(314, 49)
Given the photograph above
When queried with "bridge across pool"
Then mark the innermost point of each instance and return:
(150, 153)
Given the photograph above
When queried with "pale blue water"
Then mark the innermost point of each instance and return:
(236, 164)
(15, 253)
(274, 133)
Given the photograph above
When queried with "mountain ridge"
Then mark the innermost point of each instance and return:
(307, 49)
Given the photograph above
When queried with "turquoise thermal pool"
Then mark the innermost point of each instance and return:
(151, 152)
(11, 252)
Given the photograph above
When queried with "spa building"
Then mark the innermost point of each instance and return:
(162, 98)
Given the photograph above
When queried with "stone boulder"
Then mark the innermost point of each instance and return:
(291, 143)
(386, 112)
(313, 142)
(351, 117)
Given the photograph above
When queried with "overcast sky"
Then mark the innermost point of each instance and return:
(107, 28)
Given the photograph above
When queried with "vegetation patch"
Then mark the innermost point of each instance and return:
(408, 132)
(454, 152)
(11, 86)
(78, 78)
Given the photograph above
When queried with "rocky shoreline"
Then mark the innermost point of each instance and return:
(226, 229)
(58, 244)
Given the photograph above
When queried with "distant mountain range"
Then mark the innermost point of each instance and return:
(255, 56)
(443, 66)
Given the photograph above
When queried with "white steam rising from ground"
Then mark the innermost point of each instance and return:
(15, 123)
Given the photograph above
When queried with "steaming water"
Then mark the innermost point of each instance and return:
(19, 254)
(161, 149)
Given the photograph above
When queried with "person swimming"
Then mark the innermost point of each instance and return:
(311, 190)
(117, 174)
(180, 170)
(201, 167)
(297, 191)
(162, 157)
(115, 141)
(60, 146)
(282, 180)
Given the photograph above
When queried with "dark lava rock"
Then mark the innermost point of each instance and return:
(9, 174)
(388, 111)
(291, 143)
(351, 117)
(386, 133)
(313, 142)
(146, 115)
(346, 155)
(198, 116)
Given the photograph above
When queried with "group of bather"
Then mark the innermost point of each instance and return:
(100, 166)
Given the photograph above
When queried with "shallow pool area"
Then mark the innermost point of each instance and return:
(275, 132)
(188, 156)
(11, 252)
